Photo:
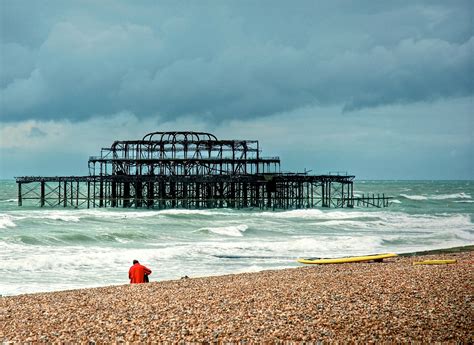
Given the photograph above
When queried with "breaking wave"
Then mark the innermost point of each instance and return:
(233, 230)
(437, 197)
(6, 221)
(9, 201)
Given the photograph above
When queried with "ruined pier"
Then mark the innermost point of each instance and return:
(190, 170)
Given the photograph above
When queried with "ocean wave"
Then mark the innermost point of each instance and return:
(316, 214)
(437, 196)
(427, 223)
(232, 230)
(128, 214)
(333, 246)
(414, 197)
(292, 247)
(84, 259)
(430, 240)
(383, 221)
(113, 214)
(9, 201)
(451, 196)
(208, 212)
(62, 217)
(307, 213)
(73, 215)
(376, 220)
(6, 221)
(356, 215)
(349, 223)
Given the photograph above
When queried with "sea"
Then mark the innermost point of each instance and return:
(50, 249)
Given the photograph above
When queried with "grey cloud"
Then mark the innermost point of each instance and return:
(221, 60)
(35, 132)
(17, 62)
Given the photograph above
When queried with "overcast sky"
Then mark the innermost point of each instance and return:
(380, 89)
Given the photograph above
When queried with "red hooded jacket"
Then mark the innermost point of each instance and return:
(137, 272)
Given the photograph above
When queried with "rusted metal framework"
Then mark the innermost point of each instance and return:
(189, 170)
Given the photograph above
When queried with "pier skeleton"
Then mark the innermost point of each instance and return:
(190, 170)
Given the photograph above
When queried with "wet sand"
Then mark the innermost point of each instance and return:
(364, 302)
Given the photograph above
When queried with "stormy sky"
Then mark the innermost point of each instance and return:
(380, 89)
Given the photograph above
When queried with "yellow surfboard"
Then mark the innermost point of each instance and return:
(435, 262)
(319, 261)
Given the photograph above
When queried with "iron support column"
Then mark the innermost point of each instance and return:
(42, 199)
(20, 202)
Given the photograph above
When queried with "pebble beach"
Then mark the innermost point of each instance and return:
(392, 301)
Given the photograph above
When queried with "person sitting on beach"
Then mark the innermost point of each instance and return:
(138, 273)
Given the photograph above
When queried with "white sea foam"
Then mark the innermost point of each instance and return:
(315, 214)
(451, 196)
(113, 214)
(324, 215)
(9, 201)
(333, 215)
(62, 260)
(346, 223)
(62, 217)
(307, 213)
(172, 251)
(331, 246)
(294, 247)
(250, 269)
(65, 216)
(382, 221)
(74, 215)
(129, 214)
(414, 197)
(426, 223)
(231, 230)
(437, 196)
(121, 240)
(6, 221)
(211, 212)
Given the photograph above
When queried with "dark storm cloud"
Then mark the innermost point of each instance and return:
(229, 60)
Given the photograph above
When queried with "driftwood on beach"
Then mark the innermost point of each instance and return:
(365, 302)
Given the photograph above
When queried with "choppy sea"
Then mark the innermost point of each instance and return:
(48, 249)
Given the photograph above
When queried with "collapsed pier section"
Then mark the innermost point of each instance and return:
(189, 170)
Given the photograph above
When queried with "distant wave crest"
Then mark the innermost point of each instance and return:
(437, 197)
(232, 230)
(451, 196)
(9, 201)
